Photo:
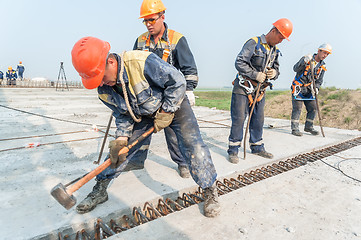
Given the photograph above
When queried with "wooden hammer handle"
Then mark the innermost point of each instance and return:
(105, 164)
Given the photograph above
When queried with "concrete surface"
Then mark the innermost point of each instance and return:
(27, 210)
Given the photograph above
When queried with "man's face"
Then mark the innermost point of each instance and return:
(276, 37)
(154, 23)
(110, 74)
(322, 54)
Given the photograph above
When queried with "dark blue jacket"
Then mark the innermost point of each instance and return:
(151, 83)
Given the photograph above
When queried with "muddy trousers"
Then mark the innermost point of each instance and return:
(239, 111)
(296, 112)
(191, 145)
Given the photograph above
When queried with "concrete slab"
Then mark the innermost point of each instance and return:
(28, 174)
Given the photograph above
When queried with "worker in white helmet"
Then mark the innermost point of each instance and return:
(302, 88)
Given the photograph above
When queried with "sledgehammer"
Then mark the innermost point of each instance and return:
(64, 196)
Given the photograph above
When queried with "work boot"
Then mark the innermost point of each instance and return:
(311, 130)
(211, 207)
(184, 171)
(233, 158)
(264, 154)
(97, 196)
(297, 133)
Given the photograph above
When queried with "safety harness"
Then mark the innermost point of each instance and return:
(166, 51)
(297, 83)
(249, 84)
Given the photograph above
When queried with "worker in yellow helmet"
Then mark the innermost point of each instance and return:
(302, 89)
(173, 48)
(11, 76)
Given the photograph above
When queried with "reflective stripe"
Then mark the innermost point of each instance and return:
(234, 143)
(256, 143)
(191, 77)
(144, 147)
(309, 120)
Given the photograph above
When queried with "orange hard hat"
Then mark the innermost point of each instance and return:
(89, 56)
(150, 7)
(20, 62)
(284, 26)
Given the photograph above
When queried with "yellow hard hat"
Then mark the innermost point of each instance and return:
(150, 7)
(10, 68)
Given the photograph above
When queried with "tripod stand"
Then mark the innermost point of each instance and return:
(62, 84)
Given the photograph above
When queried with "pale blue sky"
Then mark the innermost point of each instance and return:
(41, 33)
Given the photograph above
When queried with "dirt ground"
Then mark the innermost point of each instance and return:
(340, 108)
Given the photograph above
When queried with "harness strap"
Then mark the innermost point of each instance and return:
(166, 52)
(250, 98)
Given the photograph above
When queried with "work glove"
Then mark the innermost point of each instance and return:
(307, 58)
(114, 148)
(316, 90)
(162, 120)
(271, 73)
(191, 98)
(260, 77)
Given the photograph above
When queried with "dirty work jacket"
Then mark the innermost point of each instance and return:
(1, 75)
(182, 57)
(252, 59)
(151, 83)
(11, 75)
(319, 72)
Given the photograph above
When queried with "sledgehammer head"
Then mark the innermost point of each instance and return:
(60, 194)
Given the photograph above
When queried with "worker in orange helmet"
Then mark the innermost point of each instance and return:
(302, 88)
(143, 92)
(257, 64)
(173, 48)
(20, 69)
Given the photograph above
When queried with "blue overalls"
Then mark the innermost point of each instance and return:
(20, 68)
(250, 61)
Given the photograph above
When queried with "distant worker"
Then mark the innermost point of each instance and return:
(173, 48)
(1, 77)
(254, 70)
(155, 93)
(11, 76)
(302, 89)
(20, 69)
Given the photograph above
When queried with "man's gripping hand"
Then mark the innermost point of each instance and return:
(114, 148)
(261, 77)
(271, 73)
(162, 120)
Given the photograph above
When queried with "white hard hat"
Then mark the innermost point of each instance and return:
(326, 47)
